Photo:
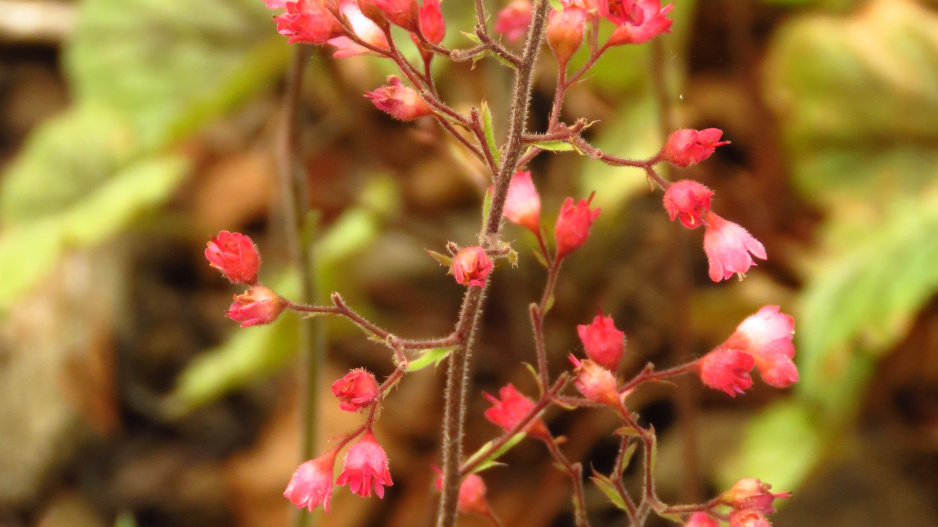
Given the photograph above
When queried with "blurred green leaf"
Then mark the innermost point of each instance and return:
(491, 460)
(608, 488)
(857, 102)
(29, 250)
(431, 356)
(169, 65)
(249, 355)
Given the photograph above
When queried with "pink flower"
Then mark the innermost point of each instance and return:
(365, 464)
(471, 494)
(511, 409)
(402, 13)
(471, 266)
(513, 21)
(275, 4)
(399, 101)
(749, 518)
(767, 336)
(432, 24)
(750, 493)
(565, 32)
(701, 519)
(726, 369)
(595, 382)
(256, 307)
(688, 147)
(602, 341)
(621, 11)
(523, 205)
(235, 256)
(645, 21)
(357, 389)
(573, 225)
(689, 201)
(728, 247)
(308, 21)
(364, 28)
(311, 484)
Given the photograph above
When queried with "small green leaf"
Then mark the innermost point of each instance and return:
(608, 488)
(555, 146)
(487, 204)
(472, 36)
(490, 132)
(627, 456)
(490, 461)
(430, 356)
(444, 260)
(550, 303)
(537, 377)
(540, 257)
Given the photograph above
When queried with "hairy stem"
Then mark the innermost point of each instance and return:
(457, 375)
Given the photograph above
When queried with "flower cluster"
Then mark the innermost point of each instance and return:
(235, 255)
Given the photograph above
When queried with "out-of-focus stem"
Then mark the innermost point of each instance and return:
(575, 472)
(299, 233)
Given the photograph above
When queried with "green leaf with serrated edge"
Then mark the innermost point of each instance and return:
(608, 488)
(490, 461)
(513, 258)
(489, 132)
(444, 260)
(555, 146)
(430, 356)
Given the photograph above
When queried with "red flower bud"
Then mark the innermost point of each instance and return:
(471, 266)
(399, 101)
(471, 494)
(728, 247)
(366, 464)
(701, 519)
(257, 306)
(356, 390)
(432, 24)
(512, 407)
(644, 21)
(307, 21)
(311, 484)
(749, 518)
(523, 205)
(565, 32)
(402, 13)
(513, 21)
(602, 341)
(750, 493)
(689, 201)
(767, 336)
(595, 382)
(235, 256)
(726, 369)
(573, 225)
(688, 147)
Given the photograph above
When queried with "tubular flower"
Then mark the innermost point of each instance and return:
(687, 201)
(728, 247)
(432, 23)
(565, 32)
(235, 256)
(471, 266)
(688, 147)
(749, 518)
(750, 493)
(399, 101)
(573, 225)
(364, 28)
(513, 20)
(307, 21)
(726, 369)
(365, 464)
(356, 390)
(471, 494)
(602, 341)
(767, 336)
(512, 407)
(311, 484)
(523, 205)
(595, 382)
(701, 519)
(645, 21)
(256, 307)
